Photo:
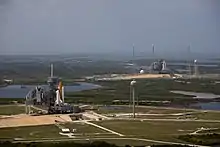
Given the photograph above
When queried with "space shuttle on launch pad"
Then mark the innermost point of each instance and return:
(51, 98)
(60, 94)
(59, 90)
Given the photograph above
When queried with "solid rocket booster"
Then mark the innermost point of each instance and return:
(63, 93)
(60, 85)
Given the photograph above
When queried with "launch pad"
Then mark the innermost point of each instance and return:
(50, 97)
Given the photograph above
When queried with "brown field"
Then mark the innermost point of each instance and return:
(145, 76)
(26, 120)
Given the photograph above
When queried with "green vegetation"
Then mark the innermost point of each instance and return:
(74, 144)
(154, 91)
(149, 92)
(120, 90)
(205, 139)
(83, 128)
(28, 132)
(157, 130)
(208, 115)
(8, 101)
(216, 130)
(11, 109)
(129, 143)
(36, 71)
(190, 113)
(144, 109)
(58, 144)
(50, 131)
(2, 84)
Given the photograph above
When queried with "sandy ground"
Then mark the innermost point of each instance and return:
(26, 120)
(145, 76)
(136, 76)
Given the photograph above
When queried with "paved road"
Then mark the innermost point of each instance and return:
(100, 127)
(170, 108)
(156, 114)
(37, 108)
(176, 120)
(12, 105)
(106, 138)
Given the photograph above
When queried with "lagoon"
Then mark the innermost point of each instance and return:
(15, 91)
(197, 95)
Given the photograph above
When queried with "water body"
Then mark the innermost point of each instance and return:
(187, 64)
(208, 106)
(197, 95)
(15, 91)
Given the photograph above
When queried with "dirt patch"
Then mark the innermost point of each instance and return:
(26, 120)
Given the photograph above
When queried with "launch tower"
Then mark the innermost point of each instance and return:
(50, 97)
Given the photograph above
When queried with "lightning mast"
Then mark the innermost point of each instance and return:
(133, 55)
(153, 56)
(51, 70)
(153, 50)
(189, 58)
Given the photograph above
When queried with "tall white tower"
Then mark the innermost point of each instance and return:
(195, 68)
(189, 58)
(133, 55)
(153, 50)
(132, 84)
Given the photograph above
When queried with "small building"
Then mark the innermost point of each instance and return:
(65, 130)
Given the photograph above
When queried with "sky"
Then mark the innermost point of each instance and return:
(109, 26)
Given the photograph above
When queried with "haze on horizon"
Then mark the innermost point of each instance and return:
(108, 26)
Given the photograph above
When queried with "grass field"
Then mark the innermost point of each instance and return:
(202, 139)
(124, 142)
(50, 131)
(209, 115)
(155, 130)
(206, 115)
(11, 109)
(120, 142)
(151, 90)
(166, 131)
(210, 131)
(83, 129)
(9, 101)
(150, 110)
(46, 131)
(198, 114)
